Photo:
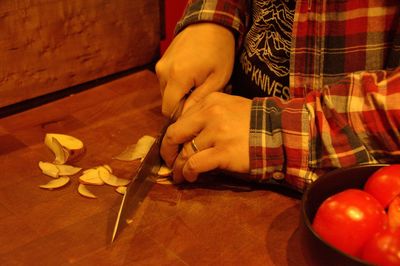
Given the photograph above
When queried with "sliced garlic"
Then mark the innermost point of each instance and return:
(103, 172)
(164, 181)
(68, 169)
(91, 177)
(56, 183)
(164, 171)
(121, 190)
(56, 170)
(49, 169)
(84, 191)
(114, 181)
(138, 150)
(64, 147)
(108, 167)
(58, 150)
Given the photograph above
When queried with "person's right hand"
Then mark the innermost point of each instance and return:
(200, 57)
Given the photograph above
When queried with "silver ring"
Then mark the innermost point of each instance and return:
(194, 146)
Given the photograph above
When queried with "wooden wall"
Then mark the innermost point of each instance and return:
(48, 45)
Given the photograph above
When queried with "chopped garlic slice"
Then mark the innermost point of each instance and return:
(138, 150)
(56, 183)
(121, 190)
(49, 169)
(164, 171)
(84, 191)
(91, 177)
(114, 181)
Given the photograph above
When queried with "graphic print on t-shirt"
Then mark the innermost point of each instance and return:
(263, 68)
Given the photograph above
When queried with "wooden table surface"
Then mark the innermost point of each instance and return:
(199, 224)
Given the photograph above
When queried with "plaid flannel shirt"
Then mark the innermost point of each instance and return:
(344, 82)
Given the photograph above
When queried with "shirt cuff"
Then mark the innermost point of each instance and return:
(228, 13)
(279, 142)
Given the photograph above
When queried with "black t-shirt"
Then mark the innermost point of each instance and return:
(262, 66)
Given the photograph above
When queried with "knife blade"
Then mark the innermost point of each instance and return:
(145, 178)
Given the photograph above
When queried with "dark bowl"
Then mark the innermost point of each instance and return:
(315, 249)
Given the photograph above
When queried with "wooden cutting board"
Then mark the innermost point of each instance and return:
(198, 224)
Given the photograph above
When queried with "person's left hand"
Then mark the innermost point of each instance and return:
(219, 125)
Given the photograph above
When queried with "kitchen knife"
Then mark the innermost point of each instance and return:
(145, 178)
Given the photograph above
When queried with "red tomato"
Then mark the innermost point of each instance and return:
(384, 184)
(348, 219)
(394, 214)
(383, 248)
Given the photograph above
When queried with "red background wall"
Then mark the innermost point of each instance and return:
(173, 12)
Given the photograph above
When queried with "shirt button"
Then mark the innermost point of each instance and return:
(278, 175)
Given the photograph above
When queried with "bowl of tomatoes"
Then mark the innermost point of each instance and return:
(351, 216)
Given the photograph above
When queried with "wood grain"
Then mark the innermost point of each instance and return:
(204, 223)
(48, 45)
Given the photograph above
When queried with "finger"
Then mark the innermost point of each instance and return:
(177, 174)
(162, 84)
(174, 91)
(186, 152)
(183, 130)
(160, 72)
(200, 162)
(211, 84)
(190, 149)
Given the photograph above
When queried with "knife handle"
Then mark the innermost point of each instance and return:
(179, 107)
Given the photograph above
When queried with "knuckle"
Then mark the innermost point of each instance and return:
(216, 110)
(213, 97)
(176, 71)
(169, 136)
(160, 68)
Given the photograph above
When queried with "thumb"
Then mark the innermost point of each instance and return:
(211, 84)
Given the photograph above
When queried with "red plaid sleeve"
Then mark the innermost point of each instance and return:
(232, 14)
(345, 90)
(355, 121)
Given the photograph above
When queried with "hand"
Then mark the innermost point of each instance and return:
(219, 124)
(199, 57)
